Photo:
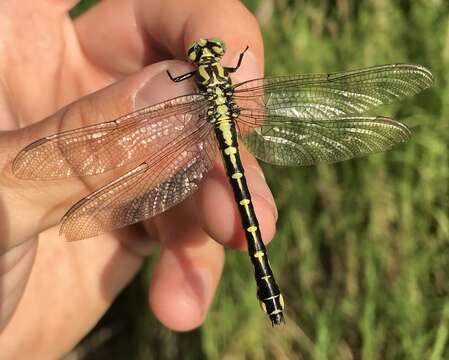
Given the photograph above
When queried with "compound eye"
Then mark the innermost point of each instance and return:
(218, 46)
(217, 41)
(222, 45)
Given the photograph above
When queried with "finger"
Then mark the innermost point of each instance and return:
(29, 207)
(117, 46)
(138, 32)
(187, 272)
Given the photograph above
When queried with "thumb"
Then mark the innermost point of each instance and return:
(30, 206)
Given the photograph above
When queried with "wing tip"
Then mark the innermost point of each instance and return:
(406, 131)
(421, 69)
(18, 166)
(63, 232)
(70, 233)
(27, 166)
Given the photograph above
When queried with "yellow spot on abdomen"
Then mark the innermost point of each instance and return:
(252, 229)
(237, 175)
(220, 70)
(230, 150)
(244, 202)
(275, 312)
(259, 254)
(203, 74)
(225, 128)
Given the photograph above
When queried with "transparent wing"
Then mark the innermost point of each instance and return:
(98, 148)
(334, 95)
(291, 141)
(149, 189)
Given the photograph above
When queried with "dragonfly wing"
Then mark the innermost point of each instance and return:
(149, 189)
(291, 141)
(98, 148)
(334, 95)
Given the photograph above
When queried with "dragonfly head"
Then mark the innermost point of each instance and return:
(206, 48)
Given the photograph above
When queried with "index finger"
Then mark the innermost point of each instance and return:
(135, 33)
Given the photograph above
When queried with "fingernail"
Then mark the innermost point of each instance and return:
(250, 68)
(158, 87)
(258, 187)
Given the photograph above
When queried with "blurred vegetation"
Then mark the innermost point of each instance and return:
(362, 247)
(82, 7)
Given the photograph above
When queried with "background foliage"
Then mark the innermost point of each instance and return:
(362, 249)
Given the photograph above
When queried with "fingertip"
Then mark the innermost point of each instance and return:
(184, 282)
(178, 299)
(251, 67)
(174, 25)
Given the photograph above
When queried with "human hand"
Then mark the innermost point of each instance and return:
(53, 68)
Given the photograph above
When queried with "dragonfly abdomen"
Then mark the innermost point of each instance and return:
(214, 83)
(268, 292)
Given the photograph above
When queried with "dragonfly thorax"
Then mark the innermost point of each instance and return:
(221, 105)
(214, 82)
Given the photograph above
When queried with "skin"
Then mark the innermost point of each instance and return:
(66, 74)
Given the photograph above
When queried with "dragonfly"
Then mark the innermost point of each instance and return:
(293, 120)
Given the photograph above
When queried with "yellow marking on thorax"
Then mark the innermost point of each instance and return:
(215, 81)
(220, 69)
(205, 78)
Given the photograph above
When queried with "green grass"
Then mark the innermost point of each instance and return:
(362, 249)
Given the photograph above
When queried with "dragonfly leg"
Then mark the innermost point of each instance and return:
(181, 77)
(234, 69)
